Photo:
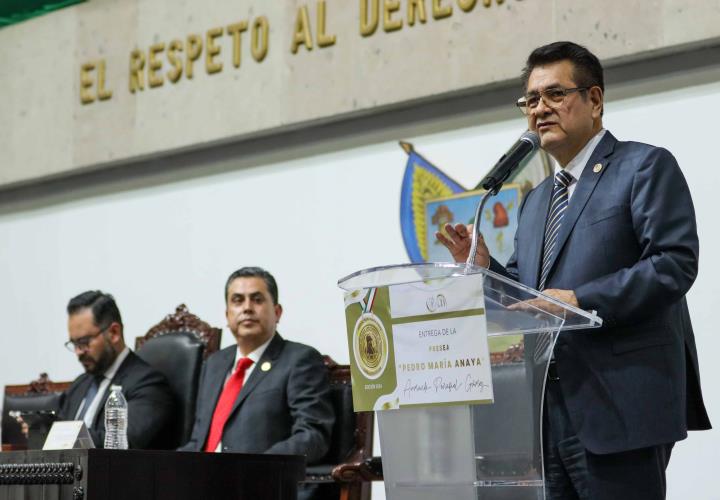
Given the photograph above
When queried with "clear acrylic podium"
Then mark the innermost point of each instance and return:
(488, 451)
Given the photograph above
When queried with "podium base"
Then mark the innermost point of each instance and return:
(529, 490)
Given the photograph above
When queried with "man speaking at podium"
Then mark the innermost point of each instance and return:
(613, 231)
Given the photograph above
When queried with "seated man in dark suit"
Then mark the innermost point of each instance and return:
(96, 336)
(267, 394)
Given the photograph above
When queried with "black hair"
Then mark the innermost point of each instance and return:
(102, 305)
(254, 272)
(587, 70)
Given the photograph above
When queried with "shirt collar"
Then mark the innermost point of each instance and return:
(254, 355)
(576, 166)
(110, 372)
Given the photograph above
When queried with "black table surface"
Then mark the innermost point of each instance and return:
(99, 474)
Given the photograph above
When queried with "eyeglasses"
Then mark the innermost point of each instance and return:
(552, 97)
(83, 343)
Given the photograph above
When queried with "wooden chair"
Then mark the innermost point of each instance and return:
(184, 321)
(349, 463)
(176, 347)
(38, 395)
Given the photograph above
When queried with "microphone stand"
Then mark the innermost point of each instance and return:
(476, 227)
(494, 181)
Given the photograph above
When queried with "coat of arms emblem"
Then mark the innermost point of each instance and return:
(430, 199)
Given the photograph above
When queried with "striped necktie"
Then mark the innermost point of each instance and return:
(558, 206)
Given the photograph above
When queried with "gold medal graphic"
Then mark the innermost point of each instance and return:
(370, 346)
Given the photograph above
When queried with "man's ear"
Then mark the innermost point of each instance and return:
(278, 312)
(597, 100)
(115, 332)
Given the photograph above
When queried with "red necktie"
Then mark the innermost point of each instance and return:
(225, 403)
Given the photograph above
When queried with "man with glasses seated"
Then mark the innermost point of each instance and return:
(613, 231)
(96, 338)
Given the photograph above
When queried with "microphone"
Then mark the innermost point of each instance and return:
(505, 166)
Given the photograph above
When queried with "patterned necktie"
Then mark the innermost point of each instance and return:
(558, 205)
(225, 403)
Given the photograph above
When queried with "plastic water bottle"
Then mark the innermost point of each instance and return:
(116, 420)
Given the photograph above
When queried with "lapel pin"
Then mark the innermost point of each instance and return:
(597, 168)
(266, 366)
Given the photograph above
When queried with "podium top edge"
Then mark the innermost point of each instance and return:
(452, 268)
(403, 274)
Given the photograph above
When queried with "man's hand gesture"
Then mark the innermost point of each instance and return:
(459, 239)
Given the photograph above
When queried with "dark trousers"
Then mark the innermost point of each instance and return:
(574, 473)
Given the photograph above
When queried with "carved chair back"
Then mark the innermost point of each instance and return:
(39, 395)
(182, 320)
(176, 347)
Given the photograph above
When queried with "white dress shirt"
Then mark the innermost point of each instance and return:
(576, 166)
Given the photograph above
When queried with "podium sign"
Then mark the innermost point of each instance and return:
(68, 435)
(419, 336)
(419, 344)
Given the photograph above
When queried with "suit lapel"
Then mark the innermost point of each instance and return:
(216, 378)
(538, 217)
(585, 187)
(258, 374)
(116, 380)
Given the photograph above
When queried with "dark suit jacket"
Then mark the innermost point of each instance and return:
(628, 247)
(151, 405)
(285, 410)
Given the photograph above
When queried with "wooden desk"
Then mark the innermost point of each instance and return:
(147, 475)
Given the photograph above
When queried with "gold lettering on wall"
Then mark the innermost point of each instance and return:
(137, 63)
(193, 49)
(302, 34)
(302, 31)
(390, 7)
(368, 26)
(103, 94)
(211, 50)
(441, 11)
(177, 64)
(180, 55)
(154, 64)
(467, 5)
(416, 11)
(259, 38)
(323, 39)
(416, 8)
(87, 82)
(236, 30)
(176, 72)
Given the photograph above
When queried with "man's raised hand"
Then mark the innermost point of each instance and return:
(458, 239)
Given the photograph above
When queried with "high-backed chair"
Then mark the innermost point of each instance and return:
(176, 347)
(348, 465)
(39, 395)
(185, 321)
